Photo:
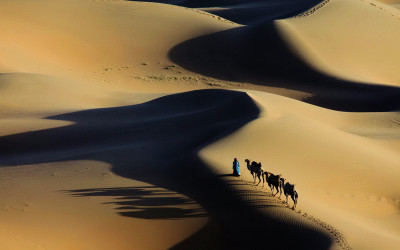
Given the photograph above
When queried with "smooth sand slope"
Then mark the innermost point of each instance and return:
(290, 54)
(116, 44)
(359, 48)
(332, 159)
(112, 135)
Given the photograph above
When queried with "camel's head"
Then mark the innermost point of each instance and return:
(247, 160)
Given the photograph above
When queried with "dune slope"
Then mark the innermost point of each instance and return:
(112, 135)
(331, 167)
(116, 44)
(134, 141)
(338, 39)
(260, 55)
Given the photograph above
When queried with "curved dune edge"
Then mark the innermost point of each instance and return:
(60, 78)
(73, 168)
(250, 12)
(321, 37)
(109, 44)
(262, 199)
(287, 139)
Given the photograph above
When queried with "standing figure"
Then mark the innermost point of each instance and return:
(236, 167)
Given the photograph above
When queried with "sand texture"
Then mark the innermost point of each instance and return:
(119, 122)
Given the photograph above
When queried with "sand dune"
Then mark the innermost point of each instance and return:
(113, 136)
(325, 161)
(115, 43)
(248, 12)
(259, 54)
(373, 54)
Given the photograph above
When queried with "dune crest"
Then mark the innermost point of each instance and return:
(119, 121)
(331, 164)
(111, 43)
(322, 39)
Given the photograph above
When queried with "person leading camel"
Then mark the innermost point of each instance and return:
(236, 167)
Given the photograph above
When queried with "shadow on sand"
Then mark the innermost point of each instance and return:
(157, 143)
(257, 54)
(246, 11)
(145, 202)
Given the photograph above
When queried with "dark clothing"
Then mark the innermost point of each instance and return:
(236, 168)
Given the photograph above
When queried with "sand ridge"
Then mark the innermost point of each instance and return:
(346, 60)
(312, 10)
(308, 151)
(257, 196)
(119, 121)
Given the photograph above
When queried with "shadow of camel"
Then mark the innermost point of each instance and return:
(146, 202)
(257, 54)
(157, 143)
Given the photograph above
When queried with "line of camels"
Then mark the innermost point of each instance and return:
(273, 181)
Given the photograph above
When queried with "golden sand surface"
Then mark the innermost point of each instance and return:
(119, 122)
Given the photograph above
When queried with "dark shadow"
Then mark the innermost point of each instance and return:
(157, 143)
(247, 11)
(224, 175)
(253, 12)
(257, 54)
(239, 224)
(152, 134)
(145, 202)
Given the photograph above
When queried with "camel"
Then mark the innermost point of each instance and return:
(256, 170)
(274, 181)
(288, 189)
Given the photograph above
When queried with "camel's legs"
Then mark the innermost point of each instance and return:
(294, 201)
(277, 191)
(259, 179)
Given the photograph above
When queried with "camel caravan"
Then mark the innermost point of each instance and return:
(275, 182)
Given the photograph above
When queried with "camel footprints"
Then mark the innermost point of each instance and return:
(277, 184)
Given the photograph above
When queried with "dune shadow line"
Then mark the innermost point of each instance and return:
(157, 142)
(257, 54)
(165, 128)
(246, 11)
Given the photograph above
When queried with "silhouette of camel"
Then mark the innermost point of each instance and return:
(256, 170)
(274, 181)
(289, 189)
(146, 142)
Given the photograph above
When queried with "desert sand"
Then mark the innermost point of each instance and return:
(119, 122)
